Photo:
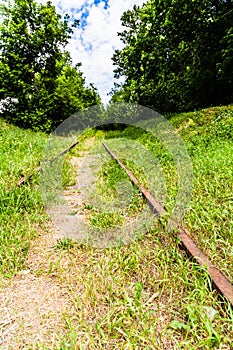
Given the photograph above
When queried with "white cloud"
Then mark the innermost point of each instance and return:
(94, 44)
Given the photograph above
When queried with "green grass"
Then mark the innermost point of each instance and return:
(149, 294)
(21, 209)
(208, 135)
(145, 296)
(109, 183)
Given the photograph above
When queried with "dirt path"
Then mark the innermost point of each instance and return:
(72, 298)
(34, 303)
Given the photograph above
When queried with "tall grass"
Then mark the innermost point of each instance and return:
(21, 209)
(149, 294)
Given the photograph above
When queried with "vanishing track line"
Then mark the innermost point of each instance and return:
(220, 281)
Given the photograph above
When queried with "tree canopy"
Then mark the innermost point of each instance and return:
(39, 85)
(178, 55)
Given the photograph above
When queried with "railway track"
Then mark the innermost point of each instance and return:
(219, 280)
(37, 169)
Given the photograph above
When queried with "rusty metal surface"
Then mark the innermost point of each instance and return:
(221, 282)
(26, 178)
(35, 171)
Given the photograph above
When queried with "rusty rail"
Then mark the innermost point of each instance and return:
(26, 178)
(221, 282)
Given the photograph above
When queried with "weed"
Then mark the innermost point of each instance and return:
(149, 294)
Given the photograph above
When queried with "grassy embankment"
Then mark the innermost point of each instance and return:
(147, 295)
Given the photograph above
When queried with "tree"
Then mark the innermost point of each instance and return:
(71, 95)
(173, 58)
(33, 64)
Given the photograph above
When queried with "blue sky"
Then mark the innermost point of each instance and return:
(95, 40)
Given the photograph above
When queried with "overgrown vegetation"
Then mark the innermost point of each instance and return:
(177, 55)
(21, 211)
(149, 294)
(40, 87)
(22, 215)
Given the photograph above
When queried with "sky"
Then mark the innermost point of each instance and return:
(95, 40)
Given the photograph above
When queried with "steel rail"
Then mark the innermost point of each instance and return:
(220, 282)
(39, 168)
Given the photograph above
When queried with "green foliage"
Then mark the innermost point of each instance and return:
(35, 70)
(145, 295)
(208, 137)
(21, 209)
(71, 95)
(110, 180)
(177, 55)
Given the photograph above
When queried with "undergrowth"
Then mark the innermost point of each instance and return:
(149, 294)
